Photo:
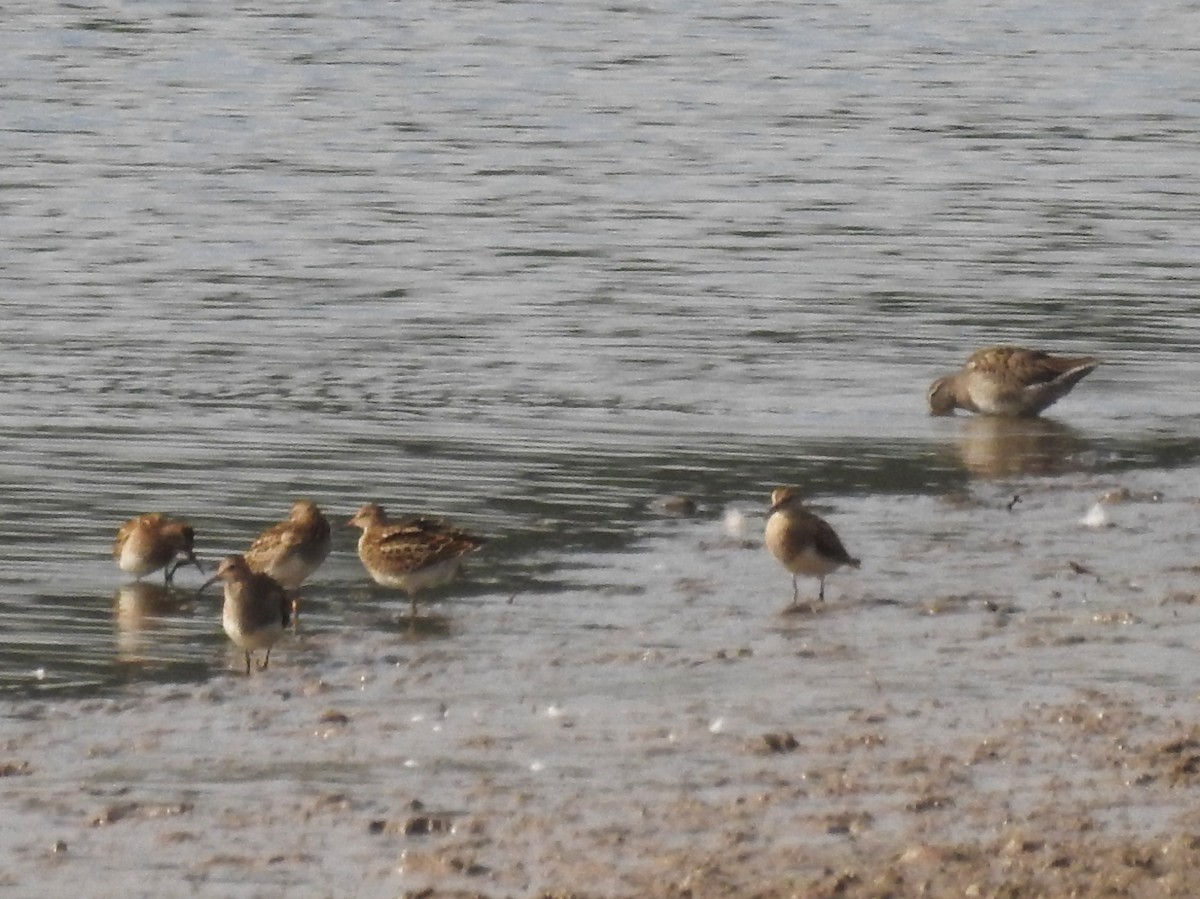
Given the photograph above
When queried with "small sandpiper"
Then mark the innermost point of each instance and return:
(294, 548)
(152, 541)
(1008, 381)
(411, 555)
(802, 541)
(256, 610)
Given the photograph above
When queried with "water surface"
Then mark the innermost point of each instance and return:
(532, 266)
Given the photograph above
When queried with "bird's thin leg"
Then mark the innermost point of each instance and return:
(821, 593)
(795, 592)
(266, 660)
(247, 663)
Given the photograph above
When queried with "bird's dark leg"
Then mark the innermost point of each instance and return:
(247, 663)
(795, 592)
(821, 593)
(266, 660)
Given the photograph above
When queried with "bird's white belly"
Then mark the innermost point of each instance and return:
(413, 581)
(992, 399)
(134, 562)
(809, 561)
(259, 638)
(291, 572)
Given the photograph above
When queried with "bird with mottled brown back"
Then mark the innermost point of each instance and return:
(152, 541)
(413, 554)
(802, 541)
(293, 549)
(1008, 381)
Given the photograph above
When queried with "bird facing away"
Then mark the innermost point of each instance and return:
(411, 555)
(256, 610)
(802, 541)
(1008, 381)
(149, 542)
(294, 548)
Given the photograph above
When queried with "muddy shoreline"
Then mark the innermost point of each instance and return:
(1091, 797)
(947, 724)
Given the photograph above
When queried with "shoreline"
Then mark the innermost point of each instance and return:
(660, 730)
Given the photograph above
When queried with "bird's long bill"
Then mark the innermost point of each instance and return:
(212, 580)
(774, 508)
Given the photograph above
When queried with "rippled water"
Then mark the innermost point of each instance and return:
(533, 265)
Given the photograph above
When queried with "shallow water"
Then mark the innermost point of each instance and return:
(534, 267)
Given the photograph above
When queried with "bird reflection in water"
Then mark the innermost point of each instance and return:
(991, 447)
(140, 608)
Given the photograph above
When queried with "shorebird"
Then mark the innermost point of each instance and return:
(1009, 381)
(802, 541)
(294, 548)
(413, 554)
(256, 610)
(152, 541)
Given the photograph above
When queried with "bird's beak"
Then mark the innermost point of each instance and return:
(212, 580)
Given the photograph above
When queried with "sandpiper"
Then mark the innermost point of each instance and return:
(149, 542)
(802, 541)
(256, 611)
(412, 554)
(1009, 381)
(294, 548)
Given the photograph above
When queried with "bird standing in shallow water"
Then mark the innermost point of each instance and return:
(413, 554)
(1008, 381)
(802, 541)
(294, 548)
(149, 542)
(256, 610)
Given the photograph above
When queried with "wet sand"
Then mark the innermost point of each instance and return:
(1002, 702)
